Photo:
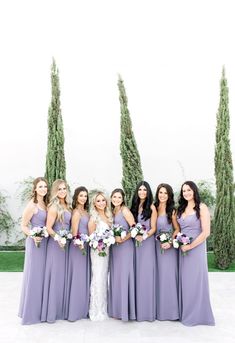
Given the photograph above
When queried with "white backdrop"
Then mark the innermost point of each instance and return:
(170, 55)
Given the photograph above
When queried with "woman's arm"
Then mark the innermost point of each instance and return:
(75, 222)
(205, 225)
(51, 218)
(175, 224)
(26, 217)
(176, 228)
(153, 221)
(153, 224)
(130, 220)
(91, 226)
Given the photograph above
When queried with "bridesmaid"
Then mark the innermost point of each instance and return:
(194, 220)
(121, 301)
(58, 218)
(167, 262)
(34, 214)
(79, 264)
(145, 256)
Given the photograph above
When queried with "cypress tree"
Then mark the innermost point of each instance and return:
(55, 158)
(131, 165)
(224, 216)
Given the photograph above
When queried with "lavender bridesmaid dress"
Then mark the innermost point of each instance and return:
(167, 276)
(33, 278)
(55, 287)
(78, 278)
(121, 298)
(194, 298)
(145, 271)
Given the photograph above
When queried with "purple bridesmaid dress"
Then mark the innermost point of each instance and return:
(121, 297)
(55, 287)
(194, 298)
(33, 278)
(167, 276)
(145, 271)
(78, 278)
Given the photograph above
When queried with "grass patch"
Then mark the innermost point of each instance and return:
(13, 261)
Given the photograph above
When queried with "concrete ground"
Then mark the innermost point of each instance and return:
(222, 288)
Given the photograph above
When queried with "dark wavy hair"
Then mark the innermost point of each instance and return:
(146, 214)
(75, 197)
(170, 204)
(183, 203)
(118, 190)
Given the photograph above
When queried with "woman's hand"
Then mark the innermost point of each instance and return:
(165, 246)
(139, 238)
(37, 239)
(118, 239)
(186, 247)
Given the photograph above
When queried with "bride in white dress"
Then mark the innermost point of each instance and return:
(100, 220)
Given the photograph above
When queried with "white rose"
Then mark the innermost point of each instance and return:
(46, 234)
(123, 234)
(112, 240)
(175, 244)
(70, 236)
(163, 237)
(56, 237)
(95, 244)
(133, 233)
(145, 236)
(63, 240)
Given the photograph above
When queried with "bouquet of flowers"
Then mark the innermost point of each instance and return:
(164, 237)
(38, 231)
(138, 229)
(100, 241)
(79, 240)
(118, 231)
(63, 236)
(181, 239)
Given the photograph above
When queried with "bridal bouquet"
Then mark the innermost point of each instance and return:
(100, 241)
(181, 239)
(164, 237)
(118, 231)
(63, 236)
(38, 231)
(79, 240)
(138, 229)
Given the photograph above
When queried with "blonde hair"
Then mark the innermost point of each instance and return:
(54, 200)
(93, 211)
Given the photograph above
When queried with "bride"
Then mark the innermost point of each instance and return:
(100, 220)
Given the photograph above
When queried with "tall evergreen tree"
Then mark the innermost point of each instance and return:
(55, 159)
(224, 216)
(131, 165)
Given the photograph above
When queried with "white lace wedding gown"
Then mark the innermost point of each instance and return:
(99, 281)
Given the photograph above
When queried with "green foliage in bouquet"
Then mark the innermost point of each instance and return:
(131, 164)
(224, 215)
(55, 158)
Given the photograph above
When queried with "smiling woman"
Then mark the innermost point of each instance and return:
(194, 220)
(100, 224)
